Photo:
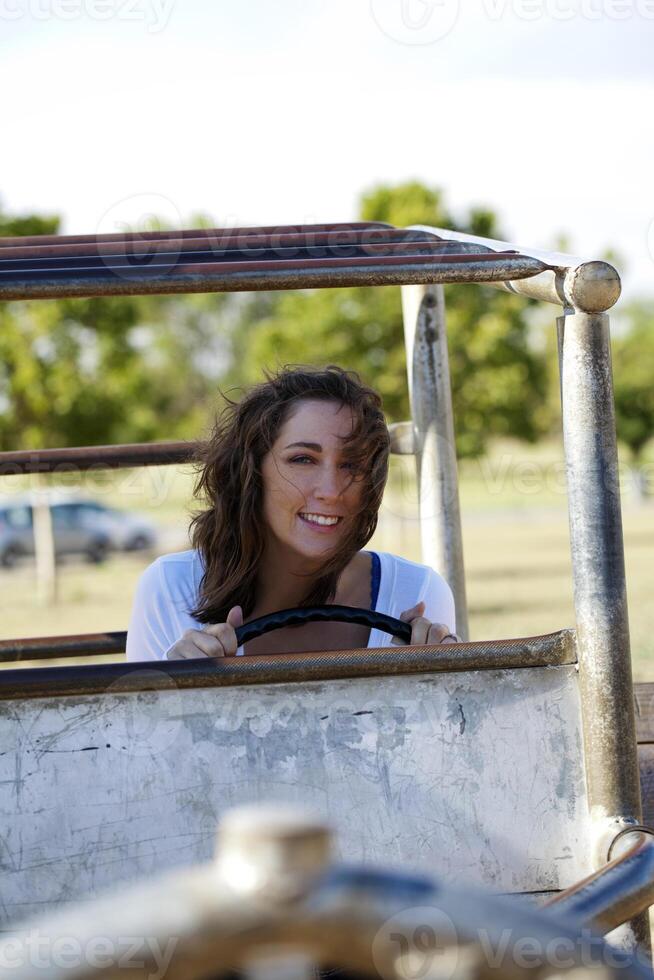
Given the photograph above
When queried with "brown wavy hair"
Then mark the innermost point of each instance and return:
(229, 533)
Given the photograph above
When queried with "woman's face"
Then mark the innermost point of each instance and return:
(311, 492)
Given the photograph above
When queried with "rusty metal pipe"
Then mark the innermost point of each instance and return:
(275, 274)
(81, 458)
(62, 647)
(585, 285)
(550, 650)
(600, 594)
(617, 892)
(25, 256)
(159, 262)
(598, 567)
(207, 233)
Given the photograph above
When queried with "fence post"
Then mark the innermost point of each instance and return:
(44, 548)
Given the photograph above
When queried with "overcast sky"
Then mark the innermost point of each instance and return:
(260, 112)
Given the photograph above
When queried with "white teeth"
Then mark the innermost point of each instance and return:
(320, 519)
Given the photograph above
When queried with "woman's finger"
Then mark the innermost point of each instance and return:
(225, 635)
(440, 633)
(195, 644)
(234, 620)
(407, 617)
(235, 617)
(409, 614)
(419, 631)
(424, 633)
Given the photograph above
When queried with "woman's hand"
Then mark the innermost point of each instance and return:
(216, 640)
(424, 632)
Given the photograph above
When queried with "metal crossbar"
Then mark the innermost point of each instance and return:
(211, 234)
(81, 458)
(238, 259)
(549, 650)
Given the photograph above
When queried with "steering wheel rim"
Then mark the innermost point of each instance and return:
(323, 614)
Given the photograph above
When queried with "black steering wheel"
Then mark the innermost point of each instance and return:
(323, 614)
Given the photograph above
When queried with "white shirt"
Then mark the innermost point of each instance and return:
(169, 588)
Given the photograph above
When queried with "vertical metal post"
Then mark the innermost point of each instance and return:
(431, 409)
(599, 580)
(44, 548)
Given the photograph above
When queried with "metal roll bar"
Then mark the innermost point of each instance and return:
(585, 285)
(238, 259)
(552, 649)
(420, 259)
(618, 891)
(81, 458)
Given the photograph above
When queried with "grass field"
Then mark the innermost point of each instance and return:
(515, 541)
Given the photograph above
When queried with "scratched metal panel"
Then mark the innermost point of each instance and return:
(474, 775)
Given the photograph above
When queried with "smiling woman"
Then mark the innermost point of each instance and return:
(292, 477)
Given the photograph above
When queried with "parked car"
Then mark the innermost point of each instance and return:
(127, 532)
(80, 526)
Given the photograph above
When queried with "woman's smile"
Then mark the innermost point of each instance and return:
(320, 522)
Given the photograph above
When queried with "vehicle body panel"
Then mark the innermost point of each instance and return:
(472, 775)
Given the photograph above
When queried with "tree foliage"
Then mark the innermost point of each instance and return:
(633, 370)
(76, 372)
(106, 369)
(499, 380)
(28, 224)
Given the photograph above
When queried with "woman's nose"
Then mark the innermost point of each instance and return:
(329, 485)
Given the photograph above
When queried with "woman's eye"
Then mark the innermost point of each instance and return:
(353, 468)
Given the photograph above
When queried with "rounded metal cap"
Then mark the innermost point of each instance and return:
(592, 287)
(272, 851)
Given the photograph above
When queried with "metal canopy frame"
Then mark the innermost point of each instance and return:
(420, 260)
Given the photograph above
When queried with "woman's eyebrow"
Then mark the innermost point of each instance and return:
(306, 445)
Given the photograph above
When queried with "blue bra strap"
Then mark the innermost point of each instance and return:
(375, 578)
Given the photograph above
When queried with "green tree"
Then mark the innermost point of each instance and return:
(28, 224)
(139, 368)
(105, 369)
(499, 380)
(633, 360)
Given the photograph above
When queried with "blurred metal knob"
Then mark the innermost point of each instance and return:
(272, 852)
